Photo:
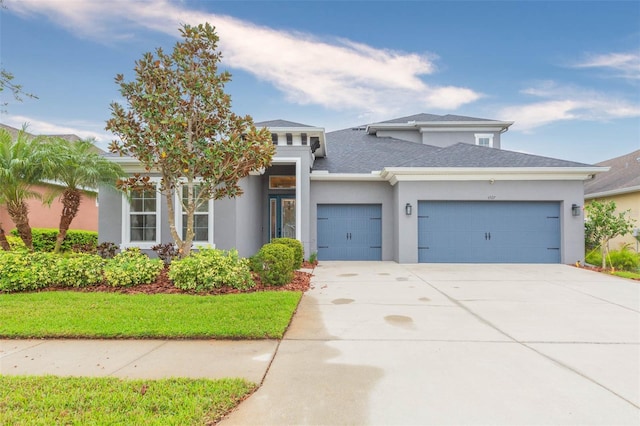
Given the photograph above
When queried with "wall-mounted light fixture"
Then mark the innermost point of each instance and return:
(407, 209)
(575, 210)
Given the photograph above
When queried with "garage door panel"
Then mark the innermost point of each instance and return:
(349, 232)
(488, 232)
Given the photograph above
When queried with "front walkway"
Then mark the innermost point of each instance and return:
(382, 343)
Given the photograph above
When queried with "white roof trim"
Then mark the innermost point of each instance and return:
(425, 126)
(398, 174)
(323, 175)
(613, 192)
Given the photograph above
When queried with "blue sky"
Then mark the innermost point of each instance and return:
(566, 72)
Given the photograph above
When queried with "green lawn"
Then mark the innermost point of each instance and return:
(52, 400)
(627, 274)
(69, 314)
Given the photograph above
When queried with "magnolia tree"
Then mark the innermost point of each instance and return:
(179, 124)
(603, 224)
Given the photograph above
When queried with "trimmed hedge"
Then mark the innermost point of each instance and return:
(78, 270)
(132, 267)
(44, 239)
(274, 264)
(20, 271)
(210, 268)
(298, 250)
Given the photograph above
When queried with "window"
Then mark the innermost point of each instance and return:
(274, 138)
(289, 139)
(303, 137)
(282, 182)
(484, 140)
(202, 218)
(141, 219)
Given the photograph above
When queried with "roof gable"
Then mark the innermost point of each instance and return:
(623, 175)
(280, 123)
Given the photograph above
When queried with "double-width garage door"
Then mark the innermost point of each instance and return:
(349, 232)
(488, 232)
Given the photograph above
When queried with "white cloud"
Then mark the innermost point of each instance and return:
(337, 74)
(624, 64)
(562, 103)
(40, 127)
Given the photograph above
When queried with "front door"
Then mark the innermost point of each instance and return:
(282, 216)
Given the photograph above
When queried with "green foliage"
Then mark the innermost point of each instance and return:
(78, 270)
(16, 243)
(178, 120)
(131, 267)
(603, 224)
(275, 264)
(313, 258)
(298, 250)
(624, 259)
(211, 268)
(44, 239)
(20, 271)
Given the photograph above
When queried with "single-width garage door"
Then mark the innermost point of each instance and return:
(488, 232)
(349, 232)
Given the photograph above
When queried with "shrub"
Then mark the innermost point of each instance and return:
(16, 243)
(106, 250)
(624, 259)
(298, 250)
(131, 267)
(211, 268)
(167, 252)
(275, 264)
(78, 270)
(44, 239)
(20, 271)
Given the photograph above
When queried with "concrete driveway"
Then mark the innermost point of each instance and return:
(382, 343)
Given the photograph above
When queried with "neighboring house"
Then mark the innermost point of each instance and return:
(424, 188)
(620, 184)
(45, 216)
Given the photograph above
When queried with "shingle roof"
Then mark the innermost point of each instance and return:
(280, 123)
(355, 151)
(624, 173)
(433, 117)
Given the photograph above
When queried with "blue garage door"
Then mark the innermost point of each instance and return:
(349, 232)
(488, 232)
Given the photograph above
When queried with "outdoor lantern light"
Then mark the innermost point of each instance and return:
(407, 209)
(575, 210)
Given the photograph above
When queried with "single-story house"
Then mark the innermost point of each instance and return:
(620, 184)
(423, 188)
(48, 216)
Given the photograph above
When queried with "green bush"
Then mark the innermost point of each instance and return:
(16, 243)
(274, 264)
(209, 268)
(298, 250)
(78, 270)
(624, 260)
(20, 271)
(131, 267)
(44, 239)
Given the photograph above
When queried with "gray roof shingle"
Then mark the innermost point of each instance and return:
(434, 117)
(624, 173)
(280, 123)
(355, 151)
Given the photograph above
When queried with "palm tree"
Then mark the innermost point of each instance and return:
(76, 166)
(20, 167)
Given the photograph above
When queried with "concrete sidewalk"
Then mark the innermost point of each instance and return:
(143, 359)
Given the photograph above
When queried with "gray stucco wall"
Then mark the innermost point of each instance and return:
(565, 192)
(341, 192)
(440, 139)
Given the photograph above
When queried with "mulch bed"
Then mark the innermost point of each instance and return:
(300, 282)
(600, 269)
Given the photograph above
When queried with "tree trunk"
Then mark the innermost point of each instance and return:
(3, 240)
(70, 206)
(20, 215)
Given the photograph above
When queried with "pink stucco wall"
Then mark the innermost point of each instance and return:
(42, 216)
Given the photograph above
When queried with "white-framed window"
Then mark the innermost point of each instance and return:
(484, 139)
(141, 218)
(202, 218)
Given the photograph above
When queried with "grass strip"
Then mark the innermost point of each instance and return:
(62, 314)
(48, 400)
